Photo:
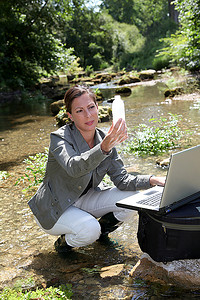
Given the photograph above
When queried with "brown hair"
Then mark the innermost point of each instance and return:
(75, 92)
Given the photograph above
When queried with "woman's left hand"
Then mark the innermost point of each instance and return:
(116, 134)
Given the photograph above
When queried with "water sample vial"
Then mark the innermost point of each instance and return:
(118, 110)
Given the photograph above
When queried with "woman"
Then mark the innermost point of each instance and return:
(72, 197)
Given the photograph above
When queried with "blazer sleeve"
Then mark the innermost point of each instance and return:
(74, 162)
(122, 179)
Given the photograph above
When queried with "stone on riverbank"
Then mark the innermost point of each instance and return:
(173, 92)
(147, 75)
(163, 163)
(110, 271)
(182, 273)
(56, 106)
(126, 91)
(127, 79)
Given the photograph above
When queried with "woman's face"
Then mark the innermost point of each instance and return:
(84, 113)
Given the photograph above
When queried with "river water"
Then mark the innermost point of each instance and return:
(26, 251)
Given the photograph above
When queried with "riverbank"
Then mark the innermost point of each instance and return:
(99, 271)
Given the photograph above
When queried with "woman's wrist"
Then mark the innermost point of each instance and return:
(105, 152)
(104, 149)
(155, 180)
(151, 180)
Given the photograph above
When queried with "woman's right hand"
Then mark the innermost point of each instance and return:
(116, 135)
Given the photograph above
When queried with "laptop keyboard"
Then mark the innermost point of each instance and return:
(153, 200)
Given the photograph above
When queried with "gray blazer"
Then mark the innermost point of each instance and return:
(70, 166)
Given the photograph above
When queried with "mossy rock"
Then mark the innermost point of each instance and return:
(102, 78)
(147, 74)
(99, 96)
(105, 114)
(173, 92)
(128, 79)
(62, 117)
(126, 91)
(56, 106)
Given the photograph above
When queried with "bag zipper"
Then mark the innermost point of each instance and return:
(185, 227)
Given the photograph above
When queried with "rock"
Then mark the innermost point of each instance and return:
(163, 163)
(99, 96)
(181, 273)
(110, 271)
(83, 80)
(147, 74)
(103, 77)
(123, 90)
(127, 79)
(56, 106)
(105, 113)
(173, 92)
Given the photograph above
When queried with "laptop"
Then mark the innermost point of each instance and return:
(182, 185)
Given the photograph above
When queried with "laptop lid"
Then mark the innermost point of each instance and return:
(182, 184)
(183, 177)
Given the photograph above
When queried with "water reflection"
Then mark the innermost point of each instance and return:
(24, 130)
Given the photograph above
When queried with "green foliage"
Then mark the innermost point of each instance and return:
(43, 37)
(150, 19)
(30, 43)
(89, 70)
(86, 32)
(163, 134)
(183, 47)
(161, 62)
(51, 293)
(127, 41)
(36, 96)
(136, 12)
(21, 291)
(35, 169)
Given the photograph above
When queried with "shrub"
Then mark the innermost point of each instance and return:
(155, 139)
(161, 62)
(54, 293)
(35, 169)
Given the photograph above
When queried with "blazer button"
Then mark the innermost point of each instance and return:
(80, 187)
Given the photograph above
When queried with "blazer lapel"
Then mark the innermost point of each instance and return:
(80, 141)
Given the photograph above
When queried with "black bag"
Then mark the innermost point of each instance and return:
(173, 236)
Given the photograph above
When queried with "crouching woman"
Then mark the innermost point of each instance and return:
(72, 201)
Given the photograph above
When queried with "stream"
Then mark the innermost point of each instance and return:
(27, 252)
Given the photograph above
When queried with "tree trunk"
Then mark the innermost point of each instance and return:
(173, 13)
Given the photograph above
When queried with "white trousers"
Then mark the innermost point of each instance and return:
(79, 222)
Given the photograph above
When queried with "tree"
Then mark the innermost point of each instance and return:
(184, 46)
(136, 12)
(87, 34)
(30, 43)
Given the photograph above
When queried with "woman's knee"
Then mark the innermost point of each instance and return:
(88, 233)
